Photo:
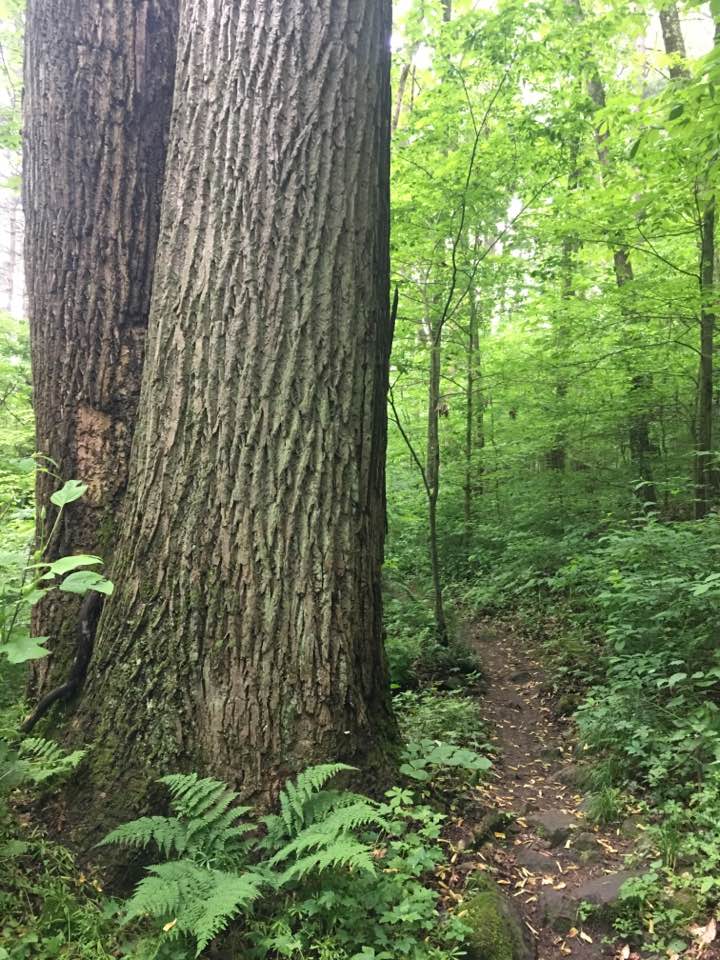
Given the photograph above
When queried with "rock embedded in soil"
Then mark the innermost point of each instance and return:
(522, 676)
(497, 929)
(534, 860)
(554, 826)
(558, 910)
(571, 776)
(584, 840)
(603, 891)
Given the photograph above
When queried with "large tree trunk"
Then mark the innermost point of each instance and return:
(245, 634)
(98, 92)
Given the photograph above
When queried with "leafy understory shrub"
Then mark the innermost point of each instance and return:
(332, 871)
(425, 760)
(446, 715)
(414, 656)
(27, 584)
(680, 885)
(653, 595)
(33, 760)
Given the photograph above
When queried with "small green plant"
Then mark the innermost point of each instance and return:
(424, 760)
(29, 585)
(447, 715)
(605, 806)
(332, 874)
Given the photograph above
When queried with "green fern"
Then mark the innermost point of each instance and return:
(303, 801)
(337, 825)
(316, 827)
(209, 881)
(205, 827)
(196, 900)
(44, 759)
(341, 853)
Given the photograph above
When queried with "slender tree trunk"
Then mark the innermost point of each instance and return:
(474, 427)
(245, 634)
(673, 40)
(447, 10)
(402, 83)
(557, 456)
(98, 92)
(432, 473)
(704, 433)
(703, 465)
(640, 384)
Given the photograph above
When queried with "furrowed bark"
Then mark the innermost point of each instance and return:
(640, 383)
(98, 92)
(703, 432)
(245, 635)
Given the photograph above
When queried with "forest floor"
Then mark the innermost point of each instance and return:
(551, 860)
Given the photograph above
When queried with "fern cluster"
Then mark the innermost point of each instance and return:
(199, 890)
(34, 760)
(317, 866)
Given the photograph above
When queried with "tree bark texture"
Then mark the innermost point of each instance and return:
(432, 476)
(673, 40)
(640, 384)
(98, 93)
(704, 432)
(474, 421)
(245, 635)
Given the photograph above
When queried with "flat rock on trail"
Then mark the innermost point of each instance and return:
(551, 859)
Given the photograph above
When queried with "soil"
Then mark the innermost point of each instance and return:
(549, 857)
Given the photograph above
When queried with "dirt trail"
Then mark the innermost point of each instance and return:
(552, 859)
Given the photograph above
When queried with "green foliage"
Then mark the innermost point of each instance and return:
(48, 909)
(647, 591)
(437, 714)
(423, 759)
(27, 584)
(331, 871)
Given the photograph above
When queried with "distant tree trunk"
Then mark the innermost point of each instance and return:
(432, 473)
(474, 426)
(98, 92)
(673, 40)
(245, 634)
(10, 267)
(402, 83)
(704, 450)
(703, 433)
(640, 384)
(557, 455)
(447, 10)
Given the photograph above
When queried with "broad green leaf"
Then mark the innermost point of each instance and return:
(23, 648)
(83, 580)
(70, 491)
(66, 564)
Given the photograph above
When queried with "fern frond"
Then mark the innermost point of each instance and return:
(168, 888)
(192, 796)
(230, 894)
(167, 832)
(346, 853)
(333, 829)
(201, 901)
(295, 797)
(45, 759)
